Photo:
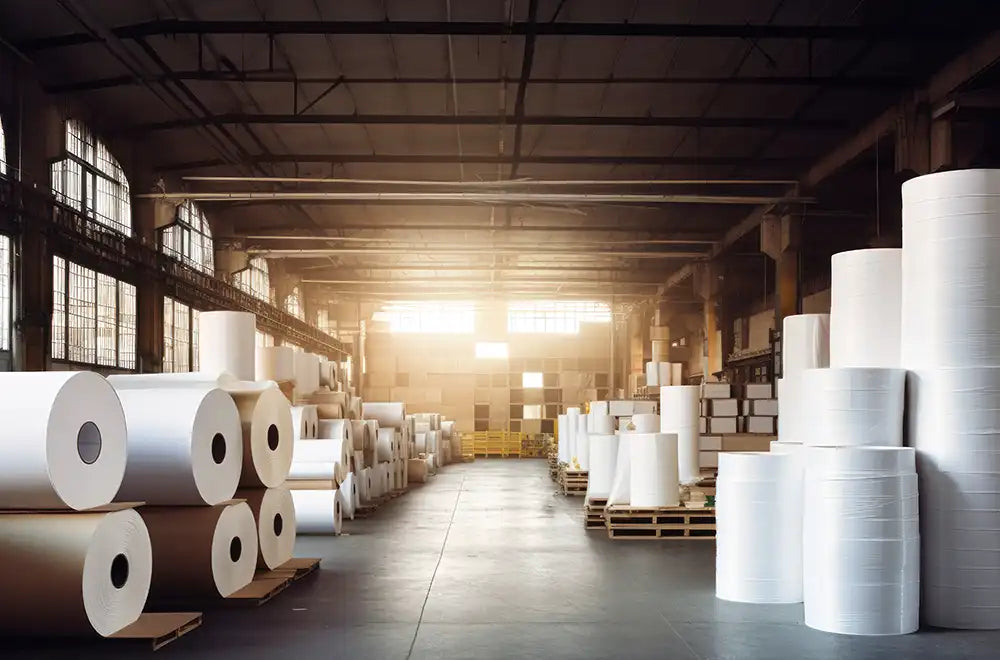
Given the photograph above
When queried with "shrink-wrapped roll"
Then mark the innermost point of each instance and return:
(759, 528)
(854, 406)
(680, 408)
(200, 552)
(653, 469)
(193, 455)
(73, 573)
(865, 308)
(227, 342)
(390, 414)
(420, 442)
(275, 363)
(416, 470)
(861, 544)
(603, 458)
(305, 422)
(64, 440)
(317, 512)
(274, 515)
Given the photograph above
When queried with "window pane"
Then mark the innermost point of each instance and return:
(126, 326)
(58, 308)
(90, 179)
(107, 316)
(168, 335)
(82, 318)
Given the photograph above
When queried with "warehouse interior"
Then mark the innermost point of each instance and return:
(471, 248)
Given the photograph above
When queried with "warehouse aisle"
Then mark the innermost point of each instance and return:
(485, 562)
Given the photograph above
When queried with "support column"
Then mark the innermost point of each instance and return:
(780, 239)
(147, 216)
(707, 285)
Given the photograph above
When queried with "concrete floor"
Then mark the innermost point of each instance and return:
(486, 562)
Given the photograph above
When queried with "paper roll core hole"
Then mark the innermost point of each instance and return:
(272, 437)
(88, 443)
(218, 448)
(235, 549)
(278, 524)
(119, 571)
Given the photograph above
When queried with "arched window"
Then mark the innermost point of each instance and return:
(89, 179)
(189, 238)
(254, 279)
(3, 150)
(293, 304)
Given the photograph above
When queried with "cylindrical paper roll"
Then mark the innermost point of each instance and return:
(562, 434)
(421, 443)
(416, 469)
(359, 434)
(581, 459)
(227, 341)
(865, 308)
(676, 373)
(805, 343)
(447, 428)
(64, 440)
(354, 408)
(423, 427)
(603, 458)
(385, 447)
(363, 481)
(329, 405)
(313, 470)
(306, 372)
(854, 406)
(652, 374)
(275, 363)
(653, 480)
(666, 373)
(201, 552)
(336, 429)
(274, 515)
(679, 412)
(602, 424)
(325, 451)
(305, 422)
(759, 528)
(573, 426)
(599, 408)
(643, 423)
(266, 418)
(373, 428)
(348, 495)
(790, 401)
(317, 511)
(385, 413)
(73, 573)
(193, 455)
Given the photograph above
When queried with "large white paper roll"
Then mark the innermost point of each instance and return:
(790, 402)
(759, 528)
(603, 460)
(805, 343)
(73, 573)
(337, 451)
(385, 448)
(227, 341)
(318, 511)
(599, 408)
(306, 372)
(422, 427)
(680, 408)
(600, 423)
(581, 458)
(363, 480)
(64, 440)
(336, 429)
(305, 422)
(275, 363)
(274, 515)
(390, 414)
(359, 434)
(573, 427)
(653, 478)
(192, 455)
(643, 423)
(865, 308)
(201, 552)
(854, 406)
(861, 543)
(348, 492)
(313, 470)
(652, 374)
(266, 419)
(620, 484)
(562, 434)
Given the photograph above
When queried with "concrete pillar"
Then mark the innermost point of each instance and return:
(780, 239)
(708, 281)
(147, 216)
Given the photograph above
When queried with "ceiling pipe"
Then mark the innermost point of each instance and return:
(492, 184)
(416, 242)
(309, 254)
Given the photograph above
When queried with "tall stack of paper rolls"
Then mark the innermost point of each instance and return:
(653, 470)
(850, 406)
(951, 347)
(679, 412)
(805, 344)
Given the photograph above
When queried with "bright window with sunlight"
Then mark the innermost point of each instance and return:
(533, 412)
(531, 379)
(3, 150)
(293, 304)
(491, 349)
(555, 316)
(180, 336)
(429, 317)
(254, 279)
(189, 238)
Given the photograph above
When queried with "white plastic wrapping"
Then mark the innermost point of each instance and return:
(274, 515)
(318, 512)
(305, 422)
(866, 308)
(603, 459)
(390, 414)
(759, 528)
(861, 541)
(679, 412)
(275, 363)
(191, 456)
(854, 406)
(73, 573)
(227, 342)
(64, 440)
(653, 470)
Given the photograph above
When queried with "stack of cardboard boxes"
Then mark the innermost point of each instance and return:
(729, 423)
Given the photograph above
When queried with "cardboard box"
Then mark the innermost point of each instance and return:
(761, 425)
(745, 407)
(710, 442)
(746, 442)
(764, 408)
(716, 391)
(643, 407)
(758, 391)
(724, 408)
(708, 459)
(704, 407)
(718, 425)
(702, 425)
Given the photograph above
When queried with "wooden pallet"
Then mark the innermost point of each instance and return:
(294, 569)
(573, 482)
(624, 522)
(160, 628)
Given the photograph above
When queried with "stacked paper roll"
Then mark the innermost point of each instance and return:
(386, 414)
(316, 457)
(861, 541)
(758, 555)
(354, 407)
(653, 374)
(385, 448)
(600, 423)
(680, 408)
(193, 455)
(562, 434)
(865, 308)
(65, 440)
(603, 459)
(275, 363)
(644, 423)
(348, 496)
(420, 442)
(805, 344)
(676, 373)
(329, 405)
(266, 420)
(653, 469)
(201, 551)
(227, 342)
(363, 481)
(854, 406)
(951, 345)
(581, 444)
(305, 422)
(573, 427)
(274, 516)
(359, 434)
(73, 573)
(416, 470)
(336, 429)
(318, 512)
(620, 484)
(306, 372)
